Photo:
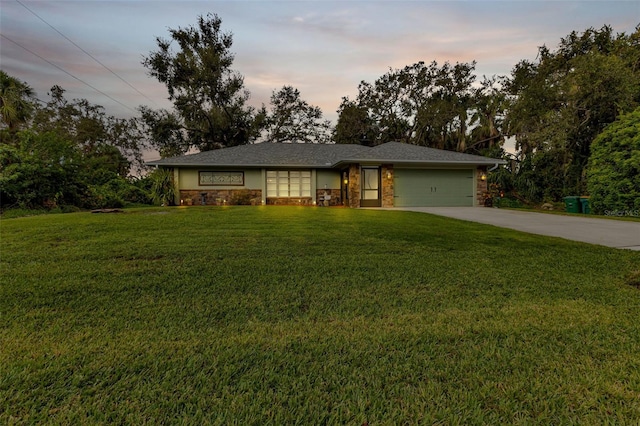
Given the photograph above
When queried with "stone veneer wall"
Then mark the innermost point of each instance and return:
(354, 185)
(335, 197)
(387, 185)
(219, 197)
(300, 201)
(481, 185)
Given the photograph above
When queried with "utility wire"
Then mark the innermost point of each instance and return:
(67, 72)
(84, 51)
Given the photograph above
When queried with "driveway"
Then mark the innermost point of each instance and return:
(606, 232)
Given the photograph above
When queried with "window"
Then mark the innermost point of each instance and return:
(221, 178)
(288, 183)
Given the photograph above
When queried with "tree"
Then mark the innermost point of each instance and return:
(354, 124)
(613, 174)
(489, 107)
(293, 120)
(90, 129)
(562, 101)
(16, 102)
(209, 98)
(41, 171)
(165, 132)
(419, 104)
(72, 154)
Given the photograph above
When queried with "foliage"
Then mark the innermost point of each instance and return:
(67, 153)
(486, 117)
(613, 175)
(419, 104)
(241, 198)
(507, 202)
(163, 188)
(293, 120)
(16, 102)
(164, 131)
(93, 132)
(354, 124)
(561, 102)
(209, 98)
(41, 171)
(254, 316)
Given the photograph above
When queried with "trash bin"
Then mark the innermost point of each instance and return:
(584, 204)
(572, 204)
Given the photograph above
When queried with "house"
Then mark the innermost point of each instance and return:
(387, 175)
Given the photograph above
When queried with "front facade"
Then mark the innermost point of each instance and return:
(387, 175)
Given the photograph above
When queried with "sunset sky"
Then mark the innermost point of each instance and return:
(323, 48)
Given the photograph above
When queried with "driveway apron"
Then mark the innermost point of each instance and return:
(606, 232)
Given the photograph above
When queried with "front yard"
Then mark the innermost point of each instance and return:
(284, 315)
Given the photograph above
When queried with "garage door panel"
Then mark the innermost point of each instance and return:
(432, 188)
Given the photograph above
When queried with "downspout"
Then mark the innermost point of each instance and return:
(495, 166)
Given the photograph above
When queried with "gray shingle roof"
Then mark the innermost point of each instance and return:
(321, 156)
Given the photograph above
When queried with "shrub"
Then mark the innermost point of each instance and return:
(163, 189)
(241, 198)
(613, 173)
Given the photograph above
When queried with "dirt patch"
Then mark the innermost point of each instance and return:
(107, 211)
(634, 279)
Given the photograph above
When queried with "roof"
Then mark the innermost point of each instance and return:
(322, 156)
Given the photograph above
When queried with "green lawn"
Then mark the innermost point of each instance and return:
(283, 315)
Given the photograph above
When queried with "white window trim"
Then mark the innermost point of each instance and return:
(283, 187)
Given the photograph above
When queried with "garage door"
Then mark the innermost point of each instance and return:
(433, 188)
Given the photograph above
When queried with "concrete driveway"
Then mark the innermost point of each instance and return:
(606, 232)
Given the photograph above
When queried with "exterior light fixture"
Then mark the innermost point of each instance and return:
(388, 175)
(483, 176)
(346, 181)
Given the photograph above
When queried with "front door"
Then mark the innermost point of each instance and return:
(370, 189)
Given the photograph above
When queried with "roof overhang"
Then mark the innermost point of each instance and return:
(339, 164)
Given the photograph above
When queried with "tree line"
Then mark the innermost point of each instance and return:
(72, 153)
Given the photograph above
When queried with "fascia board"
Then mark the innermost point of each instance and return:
(421, 162)
(252, 166)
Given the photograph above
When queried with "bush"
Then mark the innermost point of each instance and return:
(613, 173)
(507, 203)
(163, 190)
(241, 198)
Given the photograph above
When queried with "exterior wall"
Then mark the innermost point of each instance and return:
(302, 201)
(220, 197)
(328, 183)
(324, 182)
(481, 185)
(327, 179)
(354, 185)
(333, 201)
(188, 179)
(191, 192)
(387, 185)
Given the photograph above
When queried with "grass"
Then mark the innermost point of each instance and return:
(269, 315)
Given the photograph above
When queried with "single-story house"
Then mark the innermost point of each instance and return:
(387, 175)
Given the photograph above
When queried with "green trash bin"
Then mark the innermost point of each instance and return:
(572, 204)
(584, 204)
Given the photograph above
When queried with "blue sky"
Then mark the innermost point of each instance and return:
(323, 48)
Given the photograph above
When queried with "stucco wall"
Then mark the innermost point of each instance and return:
(327, 179)
(188, 179)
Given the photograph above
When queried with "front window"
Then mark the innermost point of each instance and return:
(288, 183)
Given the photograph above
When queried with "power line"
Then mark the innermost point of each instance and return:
(67, 72)
(85, 52)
